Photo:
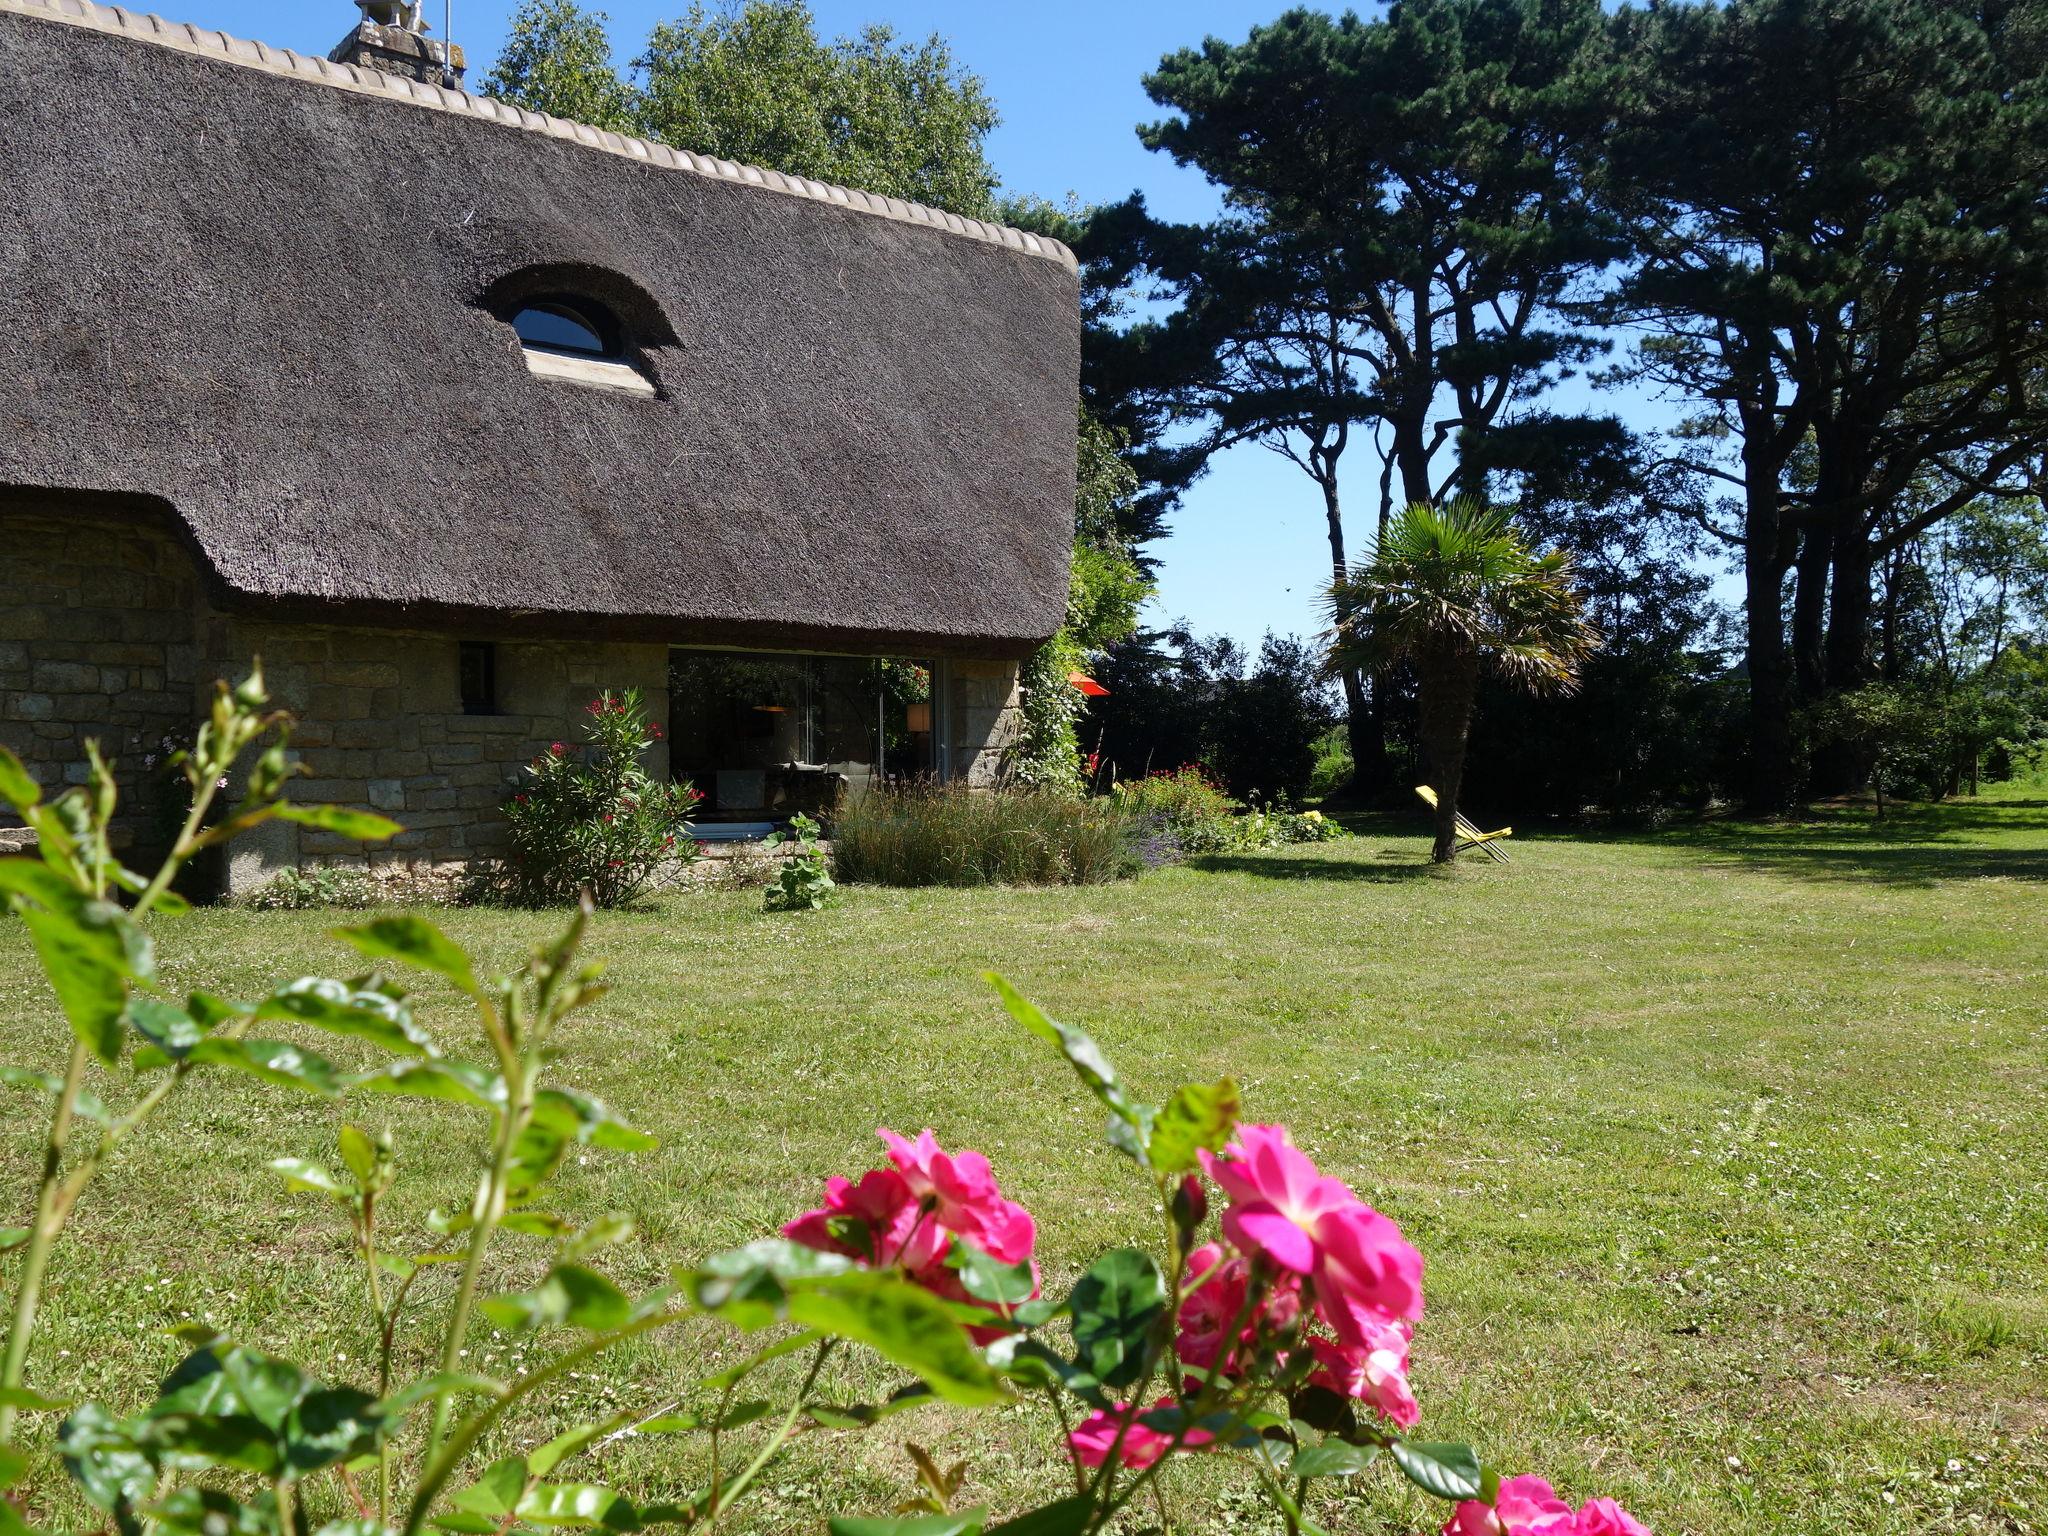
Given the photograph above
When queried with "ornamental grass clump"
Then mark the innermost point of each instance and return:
(595, 819)
(947, 834)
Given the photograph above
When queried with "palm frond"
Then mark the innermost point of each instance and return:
(1462, 579)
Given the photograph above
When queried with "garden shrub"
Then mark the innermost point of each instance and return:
(1275, 1333)
(594, 819)
(317, 885)
(1183, 811)
(802, 883)
(947, 834)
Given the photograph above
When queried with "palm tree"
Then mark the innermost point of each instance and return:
(1453, 592)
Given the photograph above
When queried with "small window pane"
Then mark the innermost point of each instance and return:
(560, 328)
(479, 677)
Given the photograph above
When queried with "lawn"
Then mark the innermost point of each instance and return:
(1725, 1144)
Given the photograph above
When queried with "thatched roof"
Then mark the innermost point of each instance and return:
(257, 288)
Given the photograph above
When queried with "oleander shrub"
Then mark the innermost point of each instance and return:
(946, 834)
(594, 819)
(316, 885)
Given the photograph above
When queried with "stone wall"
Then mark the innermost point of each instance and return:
(381, 724)
(99, 638)
(984, 718)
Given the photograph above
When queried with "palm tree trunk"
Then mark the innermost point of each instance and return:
(1448, 685)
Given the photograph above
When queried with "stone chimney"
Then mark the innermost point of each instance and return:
(392, 38)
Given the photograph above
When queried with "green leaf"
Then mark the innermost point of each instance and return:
(330, 1425)
(905, 1325)
(84, 1103)
(17, 788)
(1333, 1458)
(360, 826)
(299, 1174)
(578, 1504)
(32, 1402)
(1132, 1124)
(570, 1294)
(498, 1491)
(859, 1415)
(164, 1025)
(89, 957)
(1115, 1305)
(275, 1061)
(14, 1237)
(358, 1153)
(13, 1466)
(454, 1081)
(412, 940)
(1198, 1118)
(963, 1522)
(1066, 1517)
(586, 1120)
(748, 1286)
(988, 1279)
(209, 1512)
(341, 1010)
(1449, 1471)
(104, 1463)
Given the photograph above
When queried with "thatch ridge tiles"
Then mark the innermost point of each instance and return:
(152, 28)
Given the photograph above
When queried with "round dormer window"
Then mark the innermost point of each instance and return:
(575, 341)
(561, 325)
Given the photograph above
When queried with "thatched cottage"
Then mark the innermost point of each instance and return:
(456, 414)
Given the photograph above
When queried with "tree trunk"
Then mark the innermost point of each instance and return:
(1362, 729)
(1843, 767)
(1770, 691)
(1448, 684)
(1809, 611)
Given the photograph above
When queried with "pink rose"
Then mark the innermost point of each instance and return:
(1283, 1208)
(1377, 1375)
(1215, 1303)
(967, 1200)
(1142, 1446)
(1526, 1507)
(1604, 1517)
(875, 1222)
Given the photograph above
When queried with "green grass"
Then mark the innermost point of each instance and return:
(1728, 1146)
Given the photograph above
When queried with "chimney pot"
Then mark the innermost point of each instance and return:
(391, 38)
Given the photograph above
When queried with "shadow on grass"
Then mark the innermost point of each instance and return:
(1915, 844)
(1295, 867)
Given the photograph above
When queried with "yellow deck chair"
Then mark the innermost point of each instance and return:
(1470, 836)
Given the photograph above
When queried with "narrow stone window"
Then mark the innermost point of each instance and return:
(477, 671)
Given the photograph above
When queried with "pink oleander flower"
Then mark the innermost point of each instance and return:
(1284, 1209)
(1526, 1507)
(1214, 1304)
(966, 1200)
(1142, 1446)
(1604, 1517)
(557, 747)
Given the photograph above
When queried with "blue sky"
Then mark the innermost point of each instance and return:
(1248, 547)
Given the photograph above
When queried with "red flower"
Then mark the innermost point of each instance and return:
(557, 748)
(654, 730)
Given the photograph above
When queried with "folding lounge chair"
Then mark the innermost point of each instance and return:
(1470, 836)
